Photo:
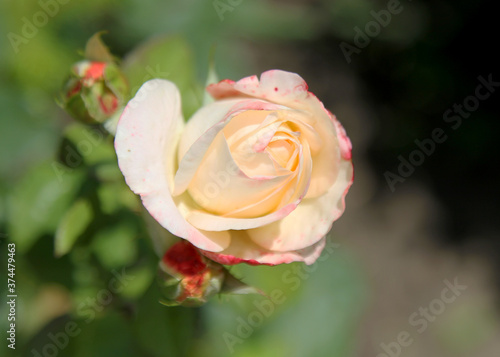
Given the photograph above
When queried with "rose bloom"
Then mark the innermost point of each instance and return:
(258, 176)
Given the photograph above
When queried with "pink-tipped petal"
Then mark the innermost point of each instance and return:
(275, 86)
(310, 221)
(243, 250)
(145, 143)
(344, 141)
(290, 90)
(223, 89)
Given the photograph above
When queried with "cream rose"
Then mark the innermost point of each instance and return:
(258, 176)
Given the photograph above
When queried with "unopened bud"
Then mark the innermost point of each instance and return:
(187, 278)
(94, 91)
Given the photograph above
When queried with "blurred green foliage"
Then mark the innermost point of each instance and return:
(99, 271)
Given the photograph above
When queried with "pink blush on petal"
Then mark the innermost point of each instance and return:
(225, 259)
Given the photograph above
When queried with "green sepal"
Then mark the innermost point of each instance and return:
(96, 50)
(233, 285)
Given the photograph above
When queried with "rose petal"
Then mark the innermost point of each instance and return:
(211, 222)
(223, 89)
(193, 158)
(201, 130)
(275, 86)
(326, 160)
(202, 121)
(289, 89)
(344, 141)
(291, 195)
(221, 187)
(243, 250)
(145, 143)
(310, 221)
(247, 137)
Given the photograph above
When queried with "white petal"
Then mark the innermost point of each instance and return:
(145, 143)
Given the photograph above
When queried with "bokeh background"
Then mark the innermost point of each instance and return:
(394, 249)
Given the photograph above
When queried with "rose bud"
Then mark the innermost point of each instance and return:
(258, 176)
(187, 278)
(94, 91)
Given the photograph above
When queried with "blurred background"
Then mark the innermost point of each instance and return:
(392, 71)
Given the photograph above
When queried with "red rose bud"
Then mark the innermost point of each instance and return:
(187, 278)
(95, 91)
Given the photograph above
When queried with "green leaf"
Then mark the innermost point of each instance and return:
(313, 310)
(109, 172)
(165, 57)
(115, 195)
(143, 277)
(115, 245)
(72, 225)
(94, 145)
(38, 201)
(161, 331)
(233, 285)
(108, 335)
(335, 288)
